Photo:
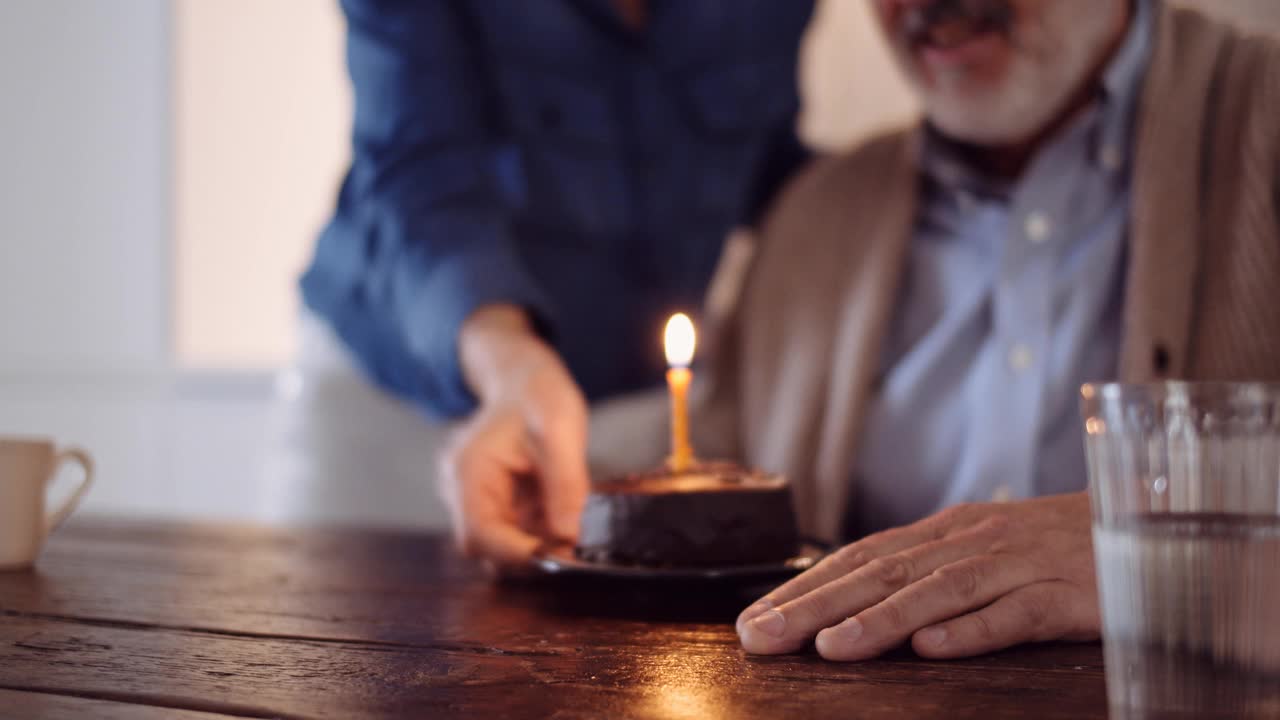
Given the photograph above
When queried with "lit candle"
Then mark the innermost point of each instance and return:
(678, 341)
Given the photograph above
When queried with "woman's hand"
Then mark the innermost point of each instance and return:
(515, 475)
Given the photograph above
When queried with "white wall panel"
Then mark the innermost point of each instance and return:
(262, 118)
(84, 185)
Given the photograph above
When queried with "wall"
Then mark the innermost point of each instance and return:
(85, 260)
(85, 203)
(850, 85)
(262, 111)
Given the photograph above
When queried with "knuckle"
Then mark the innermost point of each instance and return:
(893, 615)
(893, 571)
(830, 565)
(850, 557)
(962, 581)
(998, 524)
(951, 519)
(815, 607)
(1034, 612)
(982, 629)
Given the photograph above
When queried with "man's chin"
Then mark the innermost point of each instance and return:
(979, 121)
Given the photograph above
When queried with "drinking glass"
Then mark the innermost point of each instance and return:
(1184, 480)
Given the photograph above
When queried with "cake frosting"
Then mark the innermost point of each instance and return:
(715, 514)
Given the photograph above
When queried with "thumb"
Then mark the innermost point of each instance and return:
(562, 469)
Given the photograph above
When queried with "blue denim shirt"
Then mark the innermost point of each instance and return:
(1011, 300)
(541, 153)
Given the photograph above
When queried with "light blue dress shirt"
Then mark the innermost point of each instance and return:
(1011, 299)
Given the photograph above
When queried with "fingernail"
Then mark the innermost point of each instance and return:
(771, 623)
(752, 612)
(933, 636)
(836, 641)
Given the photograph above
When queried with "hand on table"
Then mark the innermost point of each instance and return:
(969, 580)
(516, 473)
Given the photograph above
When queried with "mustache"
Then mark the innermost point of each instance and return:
(943, 21)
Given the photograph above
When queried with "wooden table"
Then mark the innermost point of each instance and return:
(153, 620)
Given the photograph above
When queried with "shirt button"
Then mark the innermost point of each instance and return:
(1109, 158)
(1002, 494)
(1020, 357)
(1036, 227)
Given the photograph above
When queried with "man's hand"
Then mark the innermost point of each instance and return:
(516, 473)
(969, 580)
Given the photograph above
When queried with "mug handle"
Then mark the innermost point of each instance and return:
(81, 458)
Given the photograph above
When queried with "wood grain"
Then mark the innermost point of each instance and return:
(62, 707)
(315, 624)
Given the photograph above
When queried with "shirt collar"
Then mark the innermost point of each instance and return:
(1117, 100)
(1122, 82)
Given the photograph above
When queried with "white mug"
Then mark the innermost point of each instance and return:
(27, 467)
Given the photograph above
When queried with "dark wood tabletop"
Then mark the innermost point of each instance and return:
(150, 620)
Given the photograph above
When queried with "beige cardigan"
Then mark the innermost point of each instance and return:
(793, 359)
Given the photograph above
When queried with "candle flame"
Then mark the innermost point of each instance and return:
(678, 340)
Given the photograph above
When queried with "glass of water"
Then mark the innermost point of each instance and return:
(1184, 480)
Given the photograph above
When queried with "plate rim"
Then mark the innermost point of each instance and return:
(807, 555)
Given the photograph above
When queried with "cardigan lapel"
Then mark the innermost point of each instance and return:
(1167, 212)
(866, 308)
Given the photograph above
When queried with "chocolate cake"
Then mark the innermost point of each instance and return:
(713, 515)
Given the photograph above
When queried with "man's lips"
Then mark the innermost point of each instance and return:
(948, 24)
(956, 32)
(967, 50)
(950, 33)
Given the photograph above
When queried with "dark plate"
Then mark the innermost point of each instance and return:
(560, 561)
